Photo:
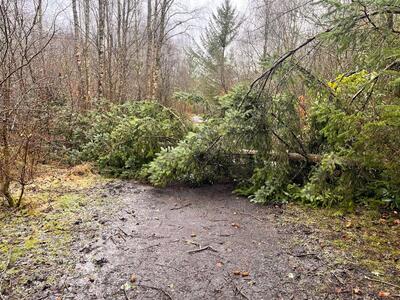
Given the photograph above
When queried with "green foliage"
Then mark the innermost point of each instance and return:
(192, 161)
(129, 136)
(211, 153)
(362, 143)
(189, 98)
(268, 184)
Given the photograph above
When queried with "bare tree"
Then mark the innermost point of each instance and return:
(100, 47)
(86, 5)
(78, 54)
(20, 106)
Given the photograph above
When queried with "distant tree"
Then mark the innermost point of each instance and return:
(211, 56)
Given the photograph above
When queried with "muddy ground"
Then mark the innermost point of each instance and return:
(140, 242)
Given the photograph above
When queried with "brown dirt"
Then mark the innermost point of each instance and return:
(143, 246)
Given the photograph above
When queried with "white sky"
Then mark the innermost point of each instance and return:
(212, 4)
(207, 7)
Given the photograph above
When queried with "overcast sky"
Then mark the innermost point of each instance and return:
(207, 7)
(212, 4)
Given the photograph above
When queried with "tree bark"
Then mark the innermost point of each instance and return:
(100, 49)
(77, 41)
(149, 54)
(5, 176)
(86, 9)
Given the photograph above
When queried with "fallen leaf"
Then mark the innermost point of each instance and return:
(133, 278)
(245, 274)
(349, 224)
(237, 273)
(383, 294)
(382, 221)
(338, 290)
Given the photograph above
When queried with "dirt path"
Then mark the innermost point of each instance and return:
(186, 243)
(118, 240)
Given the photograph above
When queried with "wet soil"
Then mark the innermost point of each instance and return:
(203, 243)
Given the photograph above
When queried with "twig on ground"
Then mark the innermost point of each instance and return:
(337, 278)
(112, 240)
(156, 289)
(236, 290)
(151, 246)
(239, 291)
(126, 295)
(250, 215)
(123, 231)
(171, 267)
(202, 249)
(305, 255)
(181, 207)
(383, 282)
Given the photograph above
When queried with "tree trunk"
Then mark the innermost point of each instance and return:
(150, 46)
(77, 53)
(100, 49)
(5, 176)
(86, 51)
(222, 66)
(110, 49)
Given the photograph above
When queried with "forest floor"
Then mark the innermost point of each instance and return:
(80, 236)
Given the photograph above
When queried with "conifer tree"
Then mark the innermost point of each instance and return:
(211, 56)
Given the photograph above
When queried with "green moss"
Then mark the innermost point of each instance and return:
(366, 238)
(31, 243)
(69, 202)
